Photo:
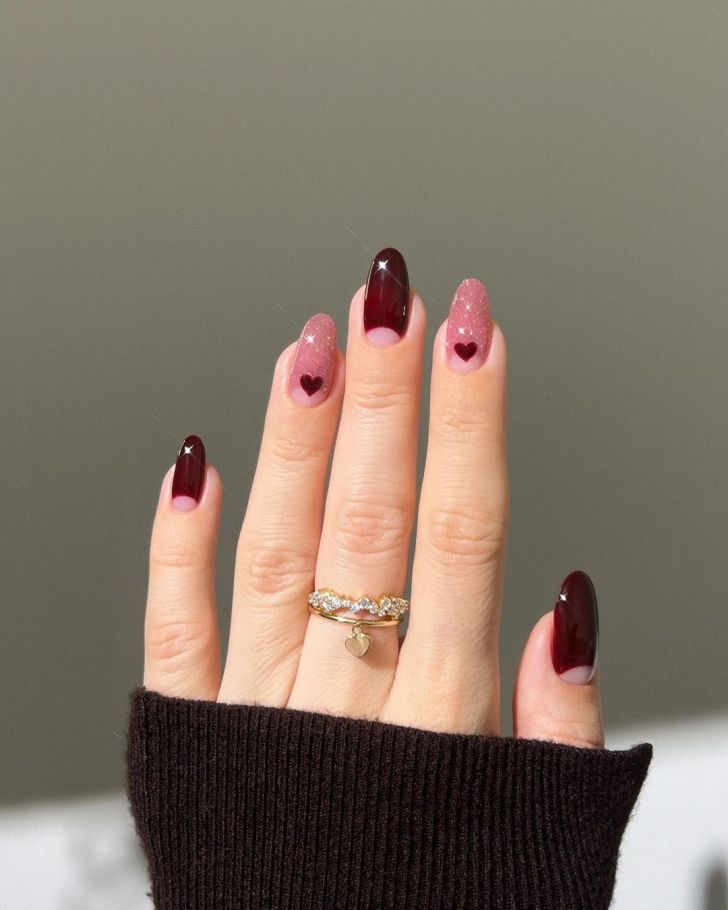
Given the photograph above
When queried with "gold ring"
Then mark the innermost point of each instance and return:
(357, 643)
(327, 601)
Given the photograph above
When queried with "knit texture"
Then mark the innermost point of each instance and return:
(246, 806)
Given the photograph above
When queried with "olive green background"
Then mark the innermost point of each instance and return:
(184, 183)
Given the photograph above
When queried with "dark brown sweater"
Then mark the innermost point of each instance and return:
(245, 806)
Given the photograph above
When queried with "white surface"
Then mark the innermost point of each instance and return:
(71, 856)
(84, 855)
(675, 850)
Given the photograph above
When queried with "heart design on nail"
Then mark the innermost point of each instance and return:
(310, 384)
(466, 351)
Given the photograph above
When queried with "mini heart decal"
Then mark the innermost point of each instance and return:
(358, 645)
(466, 351)
(311, 384)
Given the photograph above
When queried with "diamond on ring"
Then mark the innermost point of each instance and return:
(328, 601)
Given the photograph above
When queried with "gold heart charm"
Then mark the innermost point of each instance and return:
(358, 643)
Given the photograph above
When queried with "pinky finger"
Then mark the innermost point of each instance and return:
(181, 637)
(556, 696)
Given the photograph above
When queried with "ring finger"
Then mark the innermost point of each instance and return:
(447, 675)
(372, 490)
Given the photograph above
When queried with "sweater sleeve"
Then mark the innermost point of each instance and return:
(246, 806)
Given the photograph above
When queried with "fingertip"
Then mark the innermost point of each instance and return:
(210, 494)
(212, 488)
(416, 321)
(497, 359)
(284, 361)
(490, 368)
(547, 706)
(183, 503)
(578, 676)
(165, 488)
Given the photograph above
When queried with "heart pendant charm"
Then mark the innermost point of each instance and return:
(358, 643)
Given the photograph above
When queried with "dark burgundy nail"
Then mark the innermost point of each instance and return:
(386, 298)
(576, 629)
(189, 474)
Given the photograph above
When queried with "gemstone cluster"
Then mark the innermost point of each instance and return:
(387, 606)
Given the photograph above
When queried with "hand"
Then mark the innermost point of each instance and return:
(444, 674)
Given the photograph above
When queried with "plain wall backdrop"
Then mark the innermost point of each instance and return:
(183, 184)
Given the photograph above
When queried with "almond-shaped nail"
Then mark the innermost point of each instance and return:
(313, 366)
(469, 328)
(386, 298)
(189, 474)
(576, 630)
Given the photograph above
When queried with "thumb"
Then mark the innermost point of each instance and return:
(556, 696)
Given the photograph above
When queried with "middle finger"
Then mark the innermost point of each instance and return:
(370, 503)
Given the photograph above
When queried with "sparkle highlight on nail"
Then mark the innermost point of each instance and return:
(469, 329)
(315, 361)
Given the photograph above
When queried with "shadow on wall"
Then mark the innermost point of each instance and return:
(716, 887)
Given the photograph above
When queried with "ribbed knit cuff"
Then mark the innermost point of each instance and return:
(245, 806)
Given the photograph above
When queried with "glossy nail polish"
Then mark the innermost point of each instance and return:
(315, 361)
(189, 474)
(576, 630)
(469, 330)
(386, 298)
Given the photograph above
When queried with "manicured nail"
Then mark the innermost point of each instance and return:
(189, 474)
(386, 299)
(315, 361)
(469, 331)
(576, 630)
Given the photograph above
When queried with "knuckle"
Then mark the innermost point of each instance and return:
(288, 450)
(583, 733)
(376, 392)
(467, 533)
(372, 526)
(573, 727)
(457, 417)
(269, 570)
(176, 551)
(175, 643)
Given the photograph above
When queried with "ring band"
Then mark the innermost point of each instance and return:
(355, 622)
(388, 609)
(327, 601)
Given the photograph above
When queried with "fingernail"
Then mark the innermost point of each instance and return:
(576, 630)
(189, 474)
(386, 299)
(315, 361)
(468, 336)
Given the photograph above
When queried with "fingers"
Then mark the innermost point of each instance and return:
(279, 538)
(556, 696)
(370, 502)
(181, 639)
(448, 676)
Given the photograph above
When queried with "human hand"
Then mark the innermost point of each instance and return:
(444, 674)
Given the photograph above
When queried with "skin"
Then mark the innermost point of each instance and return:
(354, 537)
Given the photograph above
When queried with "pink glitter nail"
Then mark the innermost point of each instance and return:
(468, 336)
(315, 361)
